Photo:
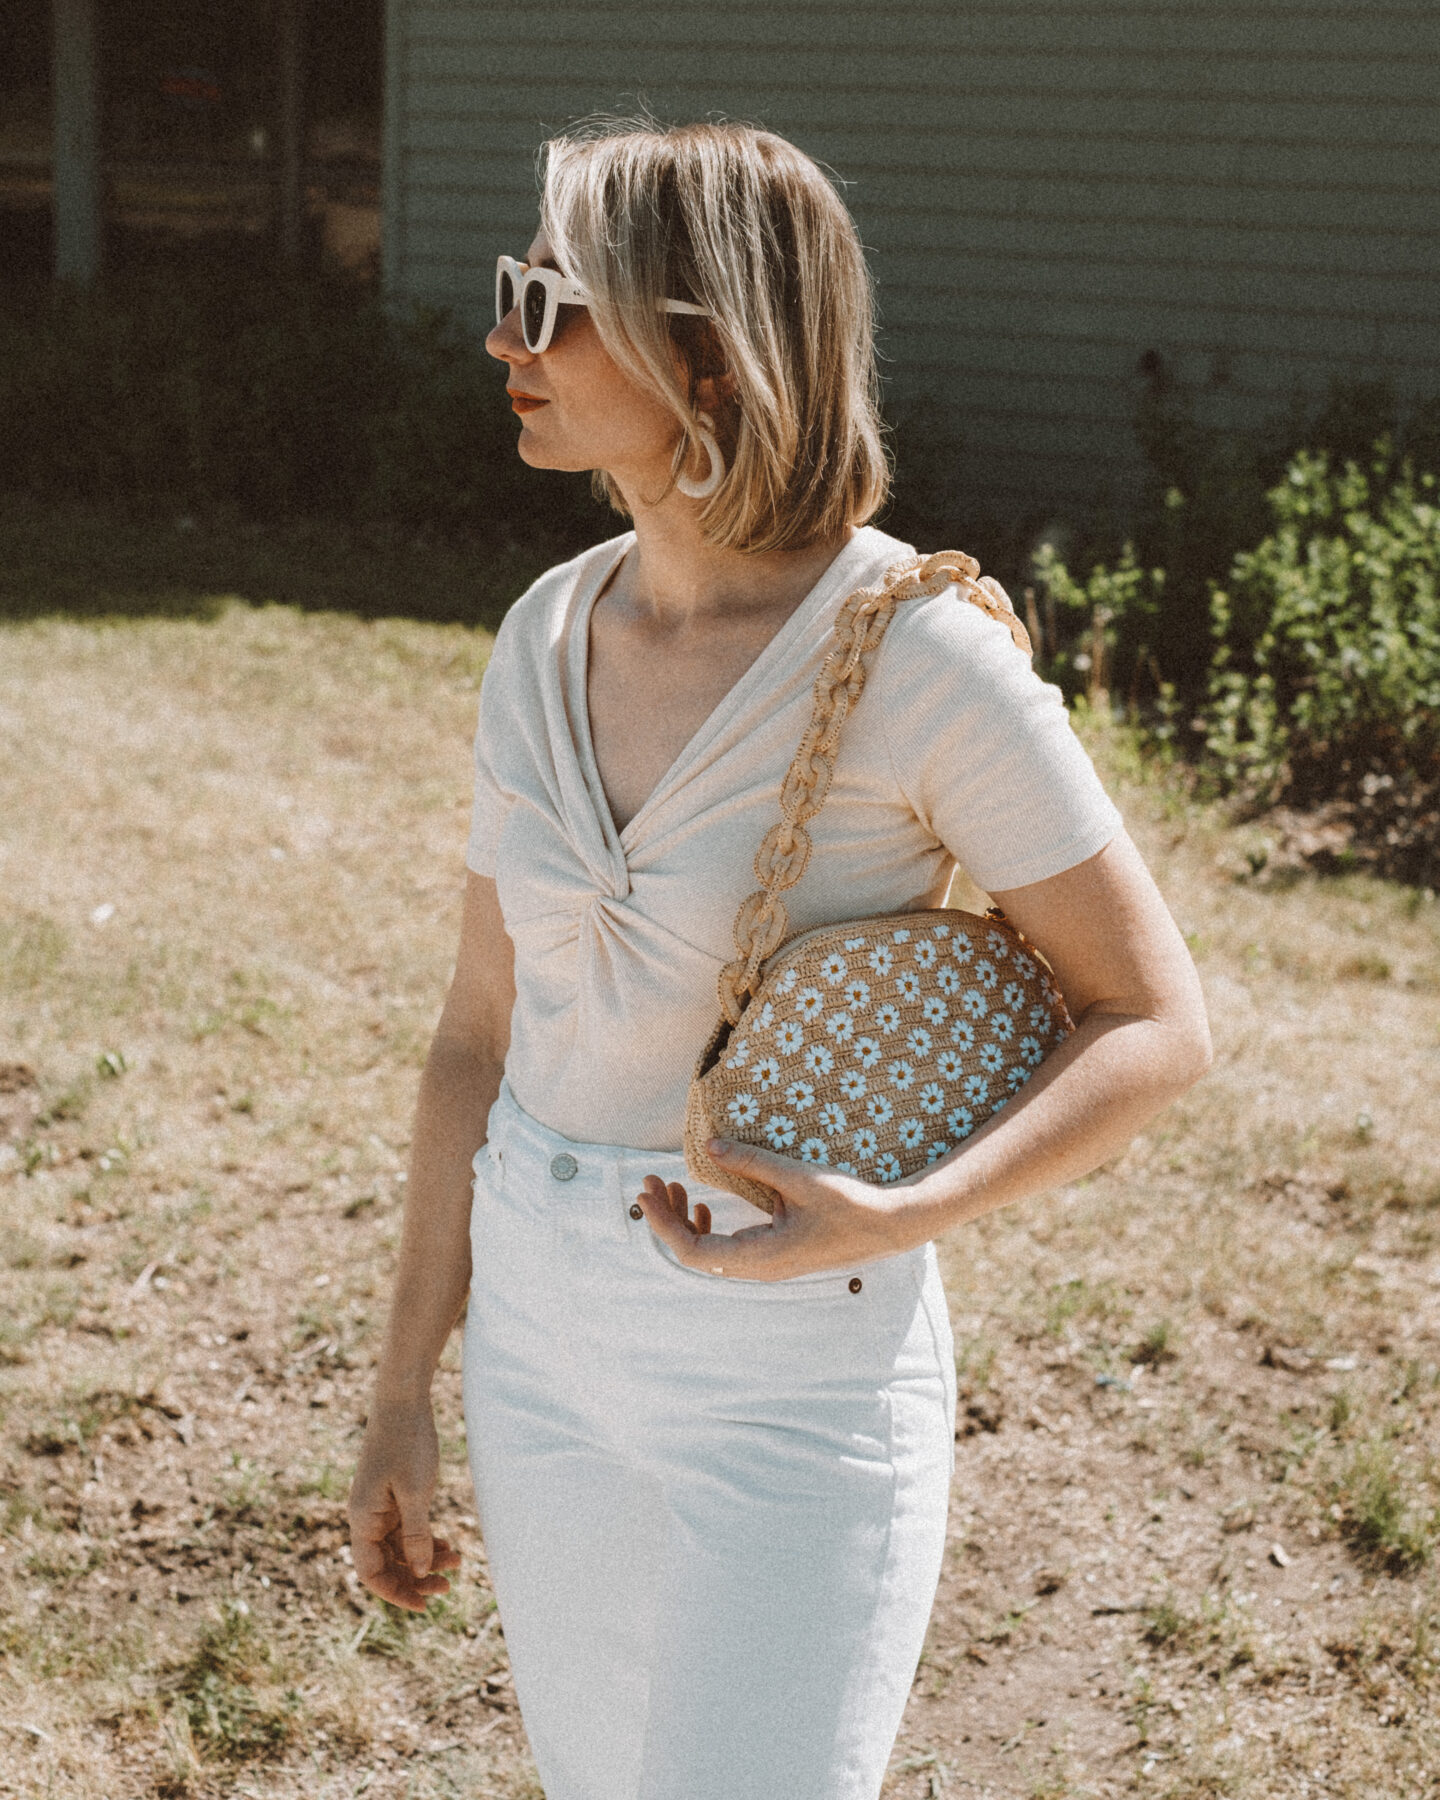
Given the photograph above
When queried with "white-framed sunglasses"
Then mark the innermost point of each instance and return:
(540, 293)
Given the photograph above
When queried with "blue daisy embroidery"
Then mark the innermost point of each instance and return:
(961, 1121)
(766, 1073)
(888, 1167)
(879, 1109)
(744, 1109)
(867, 1052)
(918, 1041)
(865, 1141)
(932, 1097)
(779, 1131)
(911, 1133)
(819, 1060)
(852, 1084)
(991, 1059)
(977, 1089)
(901, 1074)
(813, 1151)
(800, 1095)
(832, 1118)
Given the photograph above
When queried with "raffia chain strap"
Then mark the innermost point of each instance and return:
(762, 923)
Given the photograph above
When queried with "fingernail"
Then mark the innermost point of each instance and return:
(719, 1147)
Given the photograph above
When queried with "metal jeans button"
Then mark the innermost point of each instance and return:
(637, 1211)
(856, 1284)
(564, 1166)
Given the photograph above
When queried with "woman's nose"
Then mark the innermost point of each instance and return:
(505, 342)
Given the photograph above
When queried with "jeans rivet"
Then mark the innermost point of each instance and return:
(856, 1284)
(564, 1166)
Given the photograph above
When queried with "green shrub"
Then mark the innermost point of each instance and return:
(1327, 664)
(223, 387)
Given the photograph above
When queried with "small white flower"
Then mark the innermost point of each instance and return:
(1040, 1021)
(1002, 1026)
(962, 950)
(975, 1003)
(1013, 996)
(800, 1095)
(998, 945)
(962, 1032)
(901, 1075)
(936, 1151)
(977, 1089)
(932, 1097)
(866, 1143)
(744, 1109)
(854, 943)
(887, 1017)
(880, 959)
(902, 937)
(809, 1004)
(960, 1122)
(739, 1055)
(991, 1060)
(924, 955)
(918, 1041)
(819, 1060)
(789, 1037)
(852, 1084)
(813, 1151)
(949, 980)
(941, 931)
(858, 993)
(867, 1052)
(765, 1018)
(986, 974)
(832, 1117)
(949, 1065)
(1015, 1077)
(888, 1167)
(786, 983)
(935, 1010)
(779, 1131)
(907, 985)
(1026, 965)
(766, 1073)
(834, 968)
(912, 1133)
(1030, 1052)
(879, 1110)
(841, 1027)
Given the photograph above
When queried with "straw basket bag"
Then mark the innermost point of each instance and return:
(873, 1045)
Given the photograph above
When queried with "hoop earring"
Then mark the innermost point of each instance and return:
(715, 474)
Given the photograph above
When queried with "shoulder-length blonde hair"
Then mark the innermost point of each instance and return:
(747, 225)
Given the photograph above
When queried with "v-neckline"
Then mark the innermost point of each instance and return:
(577, 685)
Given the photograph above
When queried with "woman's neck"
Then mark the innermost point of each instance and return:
(678, 578)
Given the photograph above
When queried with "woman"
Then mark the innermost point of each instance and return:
(711, 1453)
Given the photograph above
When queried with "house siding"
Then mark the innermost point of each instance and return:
(1047, 190)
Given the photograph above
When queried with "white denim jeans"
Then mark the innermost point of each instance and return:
(714, 1510)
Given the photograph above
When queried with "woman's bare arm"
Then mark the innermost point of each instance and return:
(1141, 1039)
(393, 1550)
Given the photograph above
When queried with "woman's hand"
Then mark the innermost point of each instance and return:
(394, 1554)
(822, 1220)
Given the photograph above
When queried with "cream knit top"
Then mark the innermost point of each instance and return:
(955, 753)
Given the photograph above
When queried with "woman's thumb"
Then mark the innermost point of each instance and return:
(415, 1538)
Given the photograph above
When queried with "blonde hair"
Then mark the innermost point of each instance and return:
(742, 222)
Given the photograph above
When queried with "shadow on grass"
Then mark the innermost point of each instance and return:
(89, 562)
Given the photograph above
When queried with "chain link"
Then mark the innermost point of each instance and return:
(763, 923)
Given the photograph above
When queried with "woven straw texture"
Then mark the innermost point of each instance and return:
(877, 1045)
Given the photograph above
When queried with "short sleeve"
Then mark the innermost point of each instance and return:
(490, 802)
(984, 750)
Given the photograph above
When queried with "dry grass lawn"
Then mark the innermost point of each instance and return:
(1197, 1502)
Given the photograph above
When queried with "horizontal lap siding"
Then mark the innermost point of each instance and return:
(1047, 190)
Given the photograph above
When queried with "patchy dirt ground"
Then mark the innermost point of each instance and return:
(1197, 1495)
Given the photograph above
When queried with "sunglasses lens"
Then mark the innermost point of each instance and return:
(504, 295)
(533, 313)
